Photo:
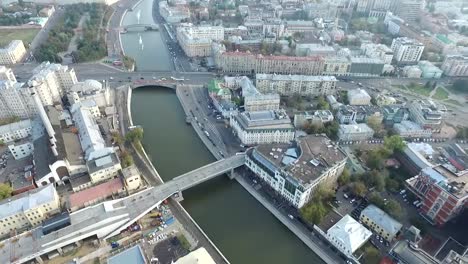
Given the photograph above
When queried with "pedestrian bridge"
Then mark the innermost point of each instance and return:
(108, 218)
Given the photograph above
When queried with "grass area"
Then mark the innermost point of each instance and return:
(419, 89)
(455, 102)
(440, 94)
(26, 35)
(183, 241)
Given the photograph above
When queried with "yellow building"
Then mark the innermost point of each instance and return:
(132, 178)
(12, 53)
(28, 209)
(380, 222)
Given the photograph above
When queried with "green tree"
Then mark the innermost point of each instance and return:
(391, 184)
(394, 143)
(460, 85)
(359, 189)
(393, 208)
(126, 159)
(5, 191)
(371, 255)
(313, 212)
(375, 159)
(117, 138)
(322, 104)
(344, 178)
(376, 199)
(134, 135)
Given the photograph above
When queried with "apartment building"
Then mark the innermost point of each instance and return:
(196, 41)
(16, 101)
(409, 129)
(443, 191)
(295, 170)
(21, 148)
(409, 10)
(255, 100)
(263, 127)
(406, 50)
(28, 209)
(173, 14)
(296, 84)
(14, 131)
(379, 51)
(6, 74)
(380, 222)
(455, 66)
(318, 117)
(355, 132)
(336, 66)
(12, 53)
(358, 97)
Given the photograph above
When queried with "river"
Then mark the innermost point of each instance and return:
(239, 225)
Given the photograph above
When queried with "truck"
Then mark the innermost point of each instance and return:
(155, 215)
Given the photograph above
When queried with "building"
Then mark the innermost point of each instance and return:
(196, 40)
(300, 26)
(132, 178)
(197, 256)
(135, 254)
(380, 222)
(263, 127)
(413, 72)
(14, 131)
(49, 82)
(366, 67)
(318, 117)
(256, 101)
(393, 114)
(455, 65)
(173, 14)
(16, 101)
(409, 10)
(20, 149)
(296, 84)
(355, 132)
(429, 70)
(95, 194)
(337, 66)
(442, 191)
(28, 209)
(348, 235)
(415, 157)
(408, 129)
(379, 51)
(382, 100)
(427, 114)
(295, 170)
(12, 53)
(406, 50)
(314, 49)
(359, 97)
(6, 74)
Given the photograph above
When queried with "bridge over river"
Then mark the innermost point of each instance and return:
(108, 218)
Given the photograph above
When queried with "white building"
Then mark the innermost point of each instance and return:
(6, 74)
(28, 209)
(12, 53)
(455, 65)
(21, 149)
(412, 71)
(296, 84)
(379, 51)
(196, 40)
(408, 129)
(256, 101)
(132, 178)
(380, 222)
(295, 170)
(429, 70)
(427, 114)
(358, 97)
(355, 132)
(16, 101)
(93, 90)
(406, 50)
(15, 131)
(263, 127)
(318, 117)
(173, 14)
(50, 81)
(348, 235)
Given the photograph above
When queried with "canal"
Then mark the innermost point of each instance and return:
(239, 225)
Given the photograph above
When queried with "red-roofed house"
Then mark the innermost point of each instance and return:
(95, 194)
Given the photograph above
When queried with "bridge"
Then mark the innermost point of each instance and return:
(108, 218)
(144, 26)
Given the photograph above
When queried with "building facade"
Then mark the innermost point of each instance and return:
(14, 131)
(455, 65)
(380, 222)
(6, 74)
(296, 84)
(427, 114)
(196, 40)
(295, 172)
(406, 50)
(12, 53)
(355, 132)
(16, 101)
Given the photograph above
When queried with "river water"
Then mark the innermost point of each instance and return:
(235, 221)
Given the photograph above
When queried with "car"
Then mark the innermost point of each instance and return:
(402, 191)
(352, 200)
(290, 216)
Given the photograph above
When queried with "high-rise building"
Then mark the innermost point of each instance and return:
(455, 65)
(6, 74)
(409, 10)
(196, 41)
(406, 50)
(15, 100)
(12, 53)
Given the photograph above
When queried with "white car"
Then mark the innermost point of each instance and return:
(290, 216)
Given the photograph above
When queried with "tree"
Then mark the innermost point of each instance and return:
(376, 199)
(371, 255)
(344, 178)
(117, 138)
(5, 190)
(322, 104)
(313, 212)
(126, 159)
(359, 189)
(391, 184)
(374, 159)
(393, 208)
(375, 123)
(394, 143)
(134, 135)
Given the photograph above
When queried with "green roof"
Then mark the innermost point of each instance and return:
(213, 86)
(444, 39)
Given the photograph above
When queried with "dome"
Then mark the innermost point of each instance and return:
(93, 83)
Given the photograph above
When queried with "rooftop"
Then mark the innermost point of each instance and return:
(130, 171)
(453, 183)
(305, 161)
(199, 256)
(27, 200)
(349, 233)
(132, 255)
(90, 195)
(264, 120)
(382, 219)
(12, 127)
(407, 126)
(279, 77)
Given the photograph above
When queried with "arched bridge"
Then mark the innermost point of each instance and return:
(108, 218)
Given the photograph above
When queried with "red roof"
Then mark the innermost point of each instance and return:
(386, 260)
(101, 191)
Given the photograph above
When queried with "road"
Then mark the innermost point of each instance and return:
(114, 49)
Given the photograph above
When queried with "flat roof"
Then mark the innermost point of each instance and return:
(315, 154)
(349, 233)
(382, 219)
(12, 127)
(283, 77)
(199, 256)
(264, 120)
(27, 200)
(133, 255)
(106, 189)
(42, 156)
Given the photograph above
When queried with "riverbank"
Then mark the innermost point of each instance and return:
(143, 160)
